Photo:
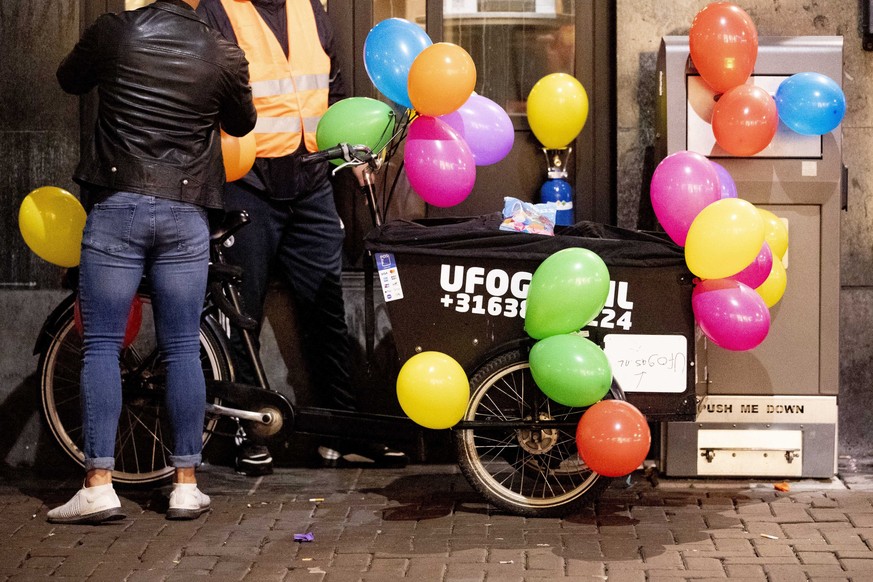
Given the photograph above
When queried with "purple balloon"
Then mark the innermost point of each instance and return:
(439, 163)
(486, 128)
(758, 270)
(730, 313)
(726, 185)
(684, 183)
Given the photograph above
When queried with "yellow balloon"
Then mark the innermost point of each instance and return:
(724, 238)
(775, 233)
(773, 287)
(51, 221)
(557, 108)
(433, 390)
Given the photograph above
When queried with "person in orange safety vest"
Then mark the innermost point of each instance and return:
(296, 234)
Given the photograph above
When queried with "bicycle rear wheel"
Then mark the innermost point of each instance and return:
(144, 439)
(526, 466)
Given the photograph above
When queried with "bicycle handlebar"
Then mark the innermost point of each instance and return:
(350, 154)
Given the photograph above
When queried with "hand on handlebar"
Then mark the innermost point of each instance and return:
(363, 173)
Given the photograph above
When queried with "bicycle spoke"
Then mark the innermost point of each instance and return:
(533, 467)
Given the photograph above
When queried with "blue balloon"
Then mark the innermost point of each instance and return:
(810, 103)
(389, 49)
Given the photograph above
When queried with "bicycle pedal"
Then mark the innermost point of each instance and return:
(330, 458)
(254, 460)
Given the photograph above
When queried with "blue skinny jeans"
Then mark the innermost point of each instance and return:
(125, 236)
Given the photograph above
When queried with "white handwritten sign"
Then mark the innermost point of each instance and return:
(648, 363)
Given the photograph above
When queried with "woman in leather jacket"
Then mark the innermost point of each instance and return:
(166, 81)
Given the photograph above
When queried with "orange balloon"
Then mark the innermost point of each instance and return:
(613, 438)
(441, 79)
(723, 42)
(238, 154)
(744, 120)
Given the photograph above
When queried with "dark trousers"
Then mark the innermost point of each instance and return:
(300, 243)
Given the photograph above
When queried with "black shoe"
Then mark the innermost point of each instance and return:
(363, 455)
(253, 459)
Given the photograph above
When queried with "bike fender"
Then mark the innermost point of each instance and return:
(52, 322)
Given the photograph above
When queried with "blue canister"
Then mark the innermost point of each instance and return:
(560, 192)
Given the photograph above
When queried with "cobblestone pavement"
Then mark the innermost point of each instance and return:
(425, 523)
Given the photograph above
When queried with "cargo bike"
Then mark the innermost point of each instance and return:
(455, 286)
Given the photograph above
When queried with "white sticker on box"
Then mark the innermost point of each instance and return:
(648, 363)
(388, 276)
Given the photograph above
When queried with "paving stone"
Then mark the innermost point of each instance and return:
(382, 526)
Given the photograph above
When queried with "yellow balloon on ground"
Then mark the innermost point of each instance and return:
(773, 287)
(238, 154)
(775, 233)
(51, 221)
(557, 108)
(433, 390)
(724, 238)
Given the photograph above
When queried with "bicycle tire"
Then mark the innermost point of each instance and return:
(531, 473)
(144, 438)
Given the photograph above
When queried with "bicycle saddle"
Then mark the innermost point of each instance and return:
(232, 222)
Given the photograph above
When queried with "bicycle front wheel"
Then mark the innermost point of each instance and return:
(144, 439)
(518, 448)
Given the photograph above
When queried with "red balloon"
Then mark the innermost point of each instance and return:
(613, 438)
(134, 320)
(723, 42)
(744, 120)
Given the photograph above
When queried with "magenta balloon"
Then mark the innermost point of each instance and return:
(486, 128)
(684, 183)
(758, 270)
(727, 187)
(730, 313)
(439, 163)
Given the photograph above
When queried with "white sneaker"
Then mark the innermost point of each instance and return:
(89, 505)
(187, 501)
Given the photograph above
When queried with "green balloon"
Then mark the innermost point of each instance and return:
(356, 121)
(571, 370)
(566, 292)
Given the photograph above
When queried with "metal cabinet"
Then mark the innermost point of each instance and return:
(770, 411)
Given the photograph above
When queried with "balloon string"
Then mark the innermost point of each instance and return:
(390, 149)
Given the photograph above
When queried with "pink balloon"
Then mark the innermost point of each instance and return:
(726, 186)
(486, 128)
(758, 270)
(439, 163)
(730, 313)
(684, 183)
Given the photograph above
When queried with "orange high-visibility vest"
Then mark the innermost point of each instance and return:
(290, 93)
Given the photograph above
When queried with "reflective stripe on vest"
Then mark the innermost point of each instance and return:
(290, 95)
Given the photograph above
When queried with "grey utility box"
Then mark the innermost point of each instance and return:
(770, 411)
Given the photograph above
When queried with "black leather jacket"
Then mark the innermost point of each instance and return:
(165, 81)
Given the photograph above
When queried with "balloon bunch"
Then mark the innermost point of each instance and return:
(723, 42)
(735, 248)
(433, 390)
(557, 108)
(567, 291)
(453, 130)
(51, 221)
